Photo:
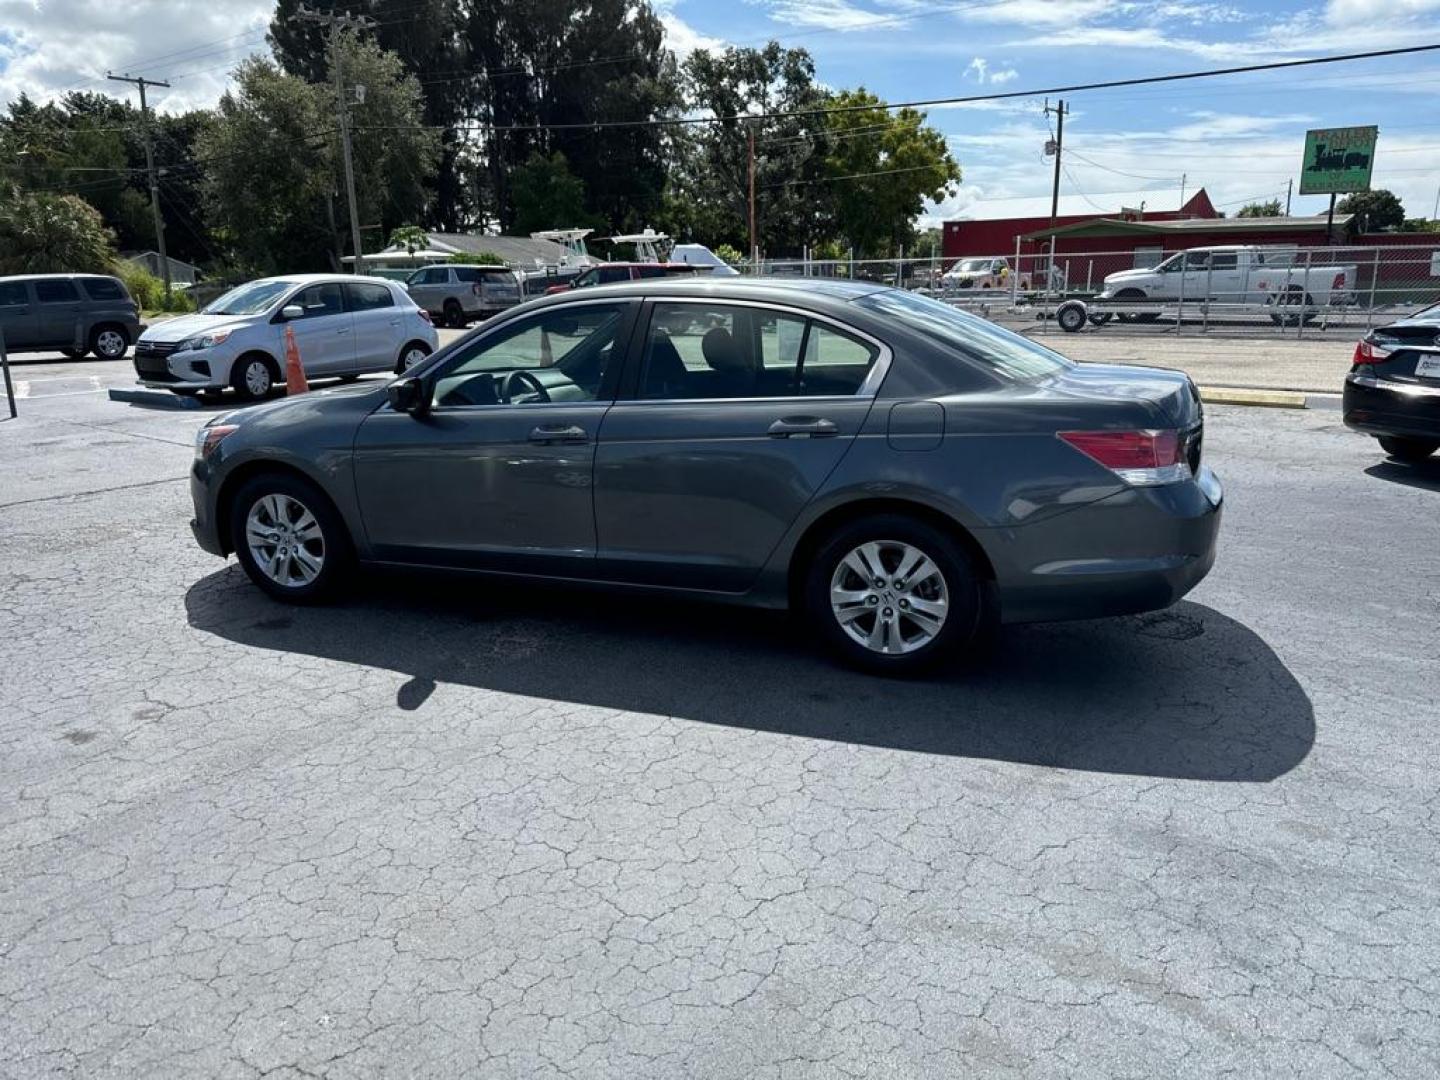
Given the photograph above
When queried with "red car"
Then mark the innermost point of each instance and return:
(610, 273)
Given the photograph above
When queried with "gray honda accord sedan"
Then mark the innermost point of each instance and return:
(900, 473)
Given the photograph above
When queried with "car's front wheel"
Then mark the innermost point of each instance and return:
(893, 594)
(289, 538)
(252, 377)
(1408, 449)
(108, 342)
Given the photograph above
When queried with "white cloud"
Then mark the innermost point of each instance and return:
(841, 15)
(1349, 12)
(683, 38)
(980, 68)
(50, 46)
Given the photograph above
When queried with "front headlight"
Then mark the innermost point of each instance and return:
(208, 438)
(204, 341)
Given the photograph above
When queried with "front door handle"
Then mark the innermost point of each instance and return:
(804, 427)
(558, 433)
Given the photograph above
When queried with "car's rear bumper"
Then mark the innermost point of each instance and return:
(1380, 407)
(1140, 550)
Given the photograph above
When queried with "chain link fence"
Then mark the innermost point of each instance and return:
(1269, 291)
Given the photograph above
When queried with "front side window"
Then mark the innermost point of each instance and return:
(563, 354)
(249, 299)
(319, 301)
(1008, 353)
(12, 293)
(700, 351)
(367, 297)
(104, 288)
(56, 291)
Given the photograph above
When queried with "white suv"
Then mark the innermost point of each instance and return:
(344, 327)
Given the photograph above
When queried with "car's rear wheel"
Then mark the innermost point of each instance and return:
(74, 354)
(413, 353)
(289, 538)
(454, 315)
(892, 594)
(252, 377)
(1408, 449)
(108, 342)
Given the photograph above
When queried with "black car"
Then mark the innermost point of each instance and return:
(1393, 389)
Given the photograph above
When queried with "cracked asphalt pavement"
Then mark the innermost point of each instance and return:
(457, 829)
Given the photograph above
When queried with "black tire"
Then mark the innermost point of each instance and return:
(1071, 317)
(454, 315)
(961, 591)
(1294, 296)
(1100, 318)
(1126, 317)
(248, 388)
(410, 347)
(333, 549)
(74, 354)
(349, 378)
(109, 341)
(1408, 449)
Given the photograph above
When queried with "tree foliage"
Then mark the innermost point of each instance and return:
(1260, 209)
(477, 258)
(1374, 211)
(42, 233)
(549, 196)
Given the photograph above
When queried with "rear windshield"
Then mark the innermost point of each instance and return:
(249, 299)
(477, 273)
(1008, 353)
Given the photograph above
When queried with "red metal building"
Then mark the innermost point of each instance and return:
(998, 223)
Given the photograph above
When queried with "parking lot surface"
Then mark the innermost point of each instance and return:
(460, 829)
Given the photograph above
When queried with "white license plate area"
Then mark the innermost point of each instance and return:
(1428, 366)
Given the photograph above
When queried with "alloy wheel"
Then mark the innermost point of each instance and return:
(411, 357)
(890, 597)
(285, 540)
(110, 344)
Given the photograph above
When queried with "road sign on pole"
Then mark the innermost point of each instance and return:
(1338, 160)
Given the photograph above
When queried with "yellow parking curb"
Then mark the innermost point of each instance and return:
(1233, 395)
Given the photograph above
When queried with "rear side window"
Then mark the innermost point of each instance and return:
(652, 271)
(434, 275)
(12, 293)
(1223, 261)
(366, 297)
(104, 288)
(56, 291)
(1007, 353)
(611, 274)
(467, 273)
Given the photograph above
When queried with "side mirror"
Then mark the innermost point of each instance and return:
(292, 311)
(409, 396)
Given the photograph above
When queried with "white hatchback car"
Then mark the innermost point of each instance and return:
(344, 327)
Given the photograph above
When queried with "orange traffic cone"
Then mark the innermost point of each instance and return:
(294, 374)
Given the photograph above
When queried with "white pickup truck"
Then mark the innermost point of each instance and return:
(1277, 277)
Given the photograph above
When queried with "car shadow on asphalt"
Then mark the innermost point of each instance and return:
(1421, 474)
(1186, 693)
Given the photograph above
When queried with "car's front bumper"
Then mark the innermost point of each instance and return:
(1381, 407)
(204, 524)
(1140, 550)
(194, 369)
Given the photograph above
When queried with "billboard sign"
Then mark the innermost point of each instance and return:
(1338, 160)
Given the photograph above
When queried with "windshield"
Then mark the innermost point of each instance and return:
(970, 266)
(249, 299)
(1008, 353)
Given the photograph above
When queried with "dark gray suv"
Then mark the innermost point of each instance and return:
(900, 472)
(75, 314)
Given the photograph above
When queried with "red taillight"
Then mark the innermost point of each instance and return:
(1368, 353)
(1137, 457)
(1339, 282)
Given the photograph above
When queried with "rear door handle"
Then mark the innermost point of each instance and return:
(558, 433)
(804, 427)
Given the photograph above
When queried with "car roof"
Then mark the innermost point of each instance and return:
(33, 277)
(774, 289)
(317, 279)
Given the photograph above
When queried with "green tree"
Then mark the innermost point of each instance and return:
(44, 233)
(1374, 211)
(881, 167)
(425, 36)
(548, 195)
(412, 237)
(1260, 209)
(709, 193)
(477, 258)
(274, 173)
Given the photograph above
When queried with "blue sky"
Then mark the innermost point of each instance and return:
(1240, 137)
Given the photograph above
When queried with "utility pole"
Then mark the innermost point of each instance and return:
(150, 170)
(337, 22)
(1183, 177)
(1059, 110)
(1289, 188)
(754, 241)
